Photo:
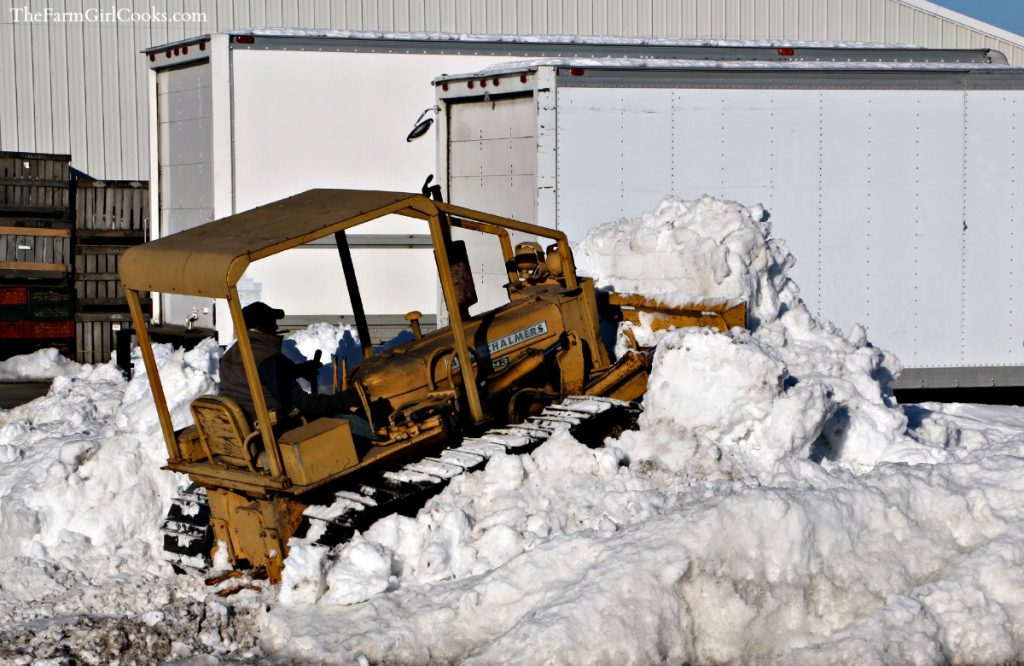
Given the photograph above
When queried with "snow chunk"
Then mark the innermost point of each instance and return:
(39, 365)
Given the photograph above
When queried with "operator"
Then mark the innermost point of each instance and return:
(278, 374)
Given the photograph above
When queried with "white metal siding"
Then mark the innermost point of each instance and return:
(863, 185)
(80, 88)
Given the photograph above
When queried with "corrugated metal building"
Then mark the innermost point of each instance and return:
(72, 79)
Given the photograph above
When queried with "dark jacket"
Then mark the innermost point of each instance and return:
(278, 376)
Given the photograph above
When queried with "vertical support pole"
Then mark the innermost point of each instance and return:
(153, 375)
(508, 255)
(255, 387)
(353, 293)
(444, 271)
(568, 265)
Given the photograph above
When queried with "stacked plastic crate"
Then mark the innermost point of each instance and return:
(36, 243)
(110, 217)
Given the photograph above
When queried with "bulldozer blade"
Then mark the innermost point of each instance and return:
(722, 315)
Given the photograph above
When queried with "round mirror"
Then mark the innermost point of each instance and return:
(420, 129)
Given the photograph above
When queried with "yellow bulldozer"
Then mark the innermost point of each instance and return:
(438, 405)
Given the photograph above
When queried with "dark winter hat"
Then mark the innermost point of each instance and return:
(259, 314)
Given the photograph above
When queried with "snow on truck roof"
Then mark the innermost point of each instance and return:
(583, 46)
(593, 40)
(681, 64)
(540, 40)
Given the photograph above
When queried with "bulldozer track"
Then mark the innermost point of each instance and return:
(335, 518)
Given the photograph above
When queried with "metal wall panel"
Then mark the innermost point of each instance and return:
(58, 80)
(184, 115)
(80, 88)
(25, 84)
(993, 321)
(124, 73)
(9, 135)
(494, 150)
(350, 154)
(845, 195)
(937, 217)
(43, 100)
(872, 269)
(858, 184)
(613, 160)
(184, 118)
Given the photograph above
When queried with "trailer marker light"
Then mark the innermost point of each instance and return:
(522, 78)
(245, 39)
(576, 71)
(184, 50)
(177, 51)
(497, 81)
(786, 51)
(202, 46)
(152, 57)
(167, 53)
(444, 86)
(471, 85)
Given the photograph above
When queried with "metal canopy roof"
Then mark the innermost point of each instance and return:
(209, 259)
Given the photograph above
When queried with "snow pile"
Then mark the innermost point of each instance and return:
(330, 340)
(775, 504)
(694, 251)
(82, 497)
(323, 337)
(791, 388)
(82, 464)
(80, 467)
(39, 365)
(584, 554)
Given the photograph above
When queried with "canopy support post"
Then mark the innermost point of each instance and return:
(444, 270)
(153, 373)
(362, 328)
(255, 386)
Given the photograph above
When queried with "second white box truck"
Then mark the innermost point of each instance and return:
(899, 186)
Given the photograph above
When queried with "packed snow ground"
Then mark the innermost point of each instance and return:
(774, 505)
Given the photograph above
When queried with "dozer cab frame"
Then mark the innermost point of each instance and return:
(479, 372)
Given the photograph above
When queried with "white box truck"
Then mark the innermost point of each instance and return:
(244, 118)
(898, 185)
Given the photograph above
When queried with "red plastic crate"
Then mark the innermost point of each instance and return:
(14, 329)
(13, 295)
(51, 329)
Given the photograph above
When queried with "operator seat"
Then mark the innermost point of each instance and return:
(225, 433)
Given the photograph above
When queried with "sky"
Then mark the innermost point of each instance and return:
(1006, 14)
